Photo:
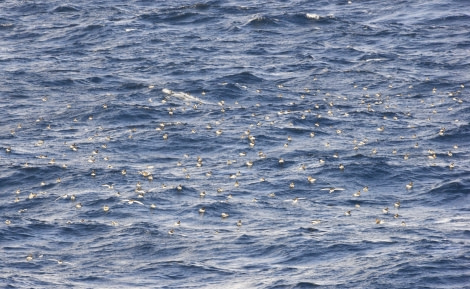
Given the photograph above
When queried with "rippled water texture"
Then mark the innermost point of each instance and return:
(122, 120)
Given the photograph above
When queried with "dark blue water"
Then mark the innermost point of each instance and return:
(190, 97)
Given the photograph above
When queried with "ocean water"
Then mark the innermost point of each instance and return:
(263, 106)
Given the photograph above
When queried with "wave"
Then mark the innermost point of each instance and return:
(262, 21)
(242, 78)
(65, 9)
(181, 95)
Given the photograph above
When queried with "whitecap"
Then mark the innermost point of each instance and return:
(376, 59)
(312, 16)
(181, 95)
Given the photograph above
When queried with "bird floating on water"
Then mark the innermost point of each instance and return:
(409, 186)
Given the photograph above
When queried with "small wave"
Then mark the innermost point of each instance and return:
(448, 188)
(176, 16)
(133, 86)
(375, 57)
(242, 78)
(93, 27)
(198, 6)
(260, 20)
(65, 9)
(181, 95)
(307, 18)
(312, 16)
(6, 26)
(180, 17)
(303, 284)
(448, 20)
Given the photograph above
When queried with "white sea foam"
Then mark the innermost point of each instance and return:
(312, 16)
(181, 95)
